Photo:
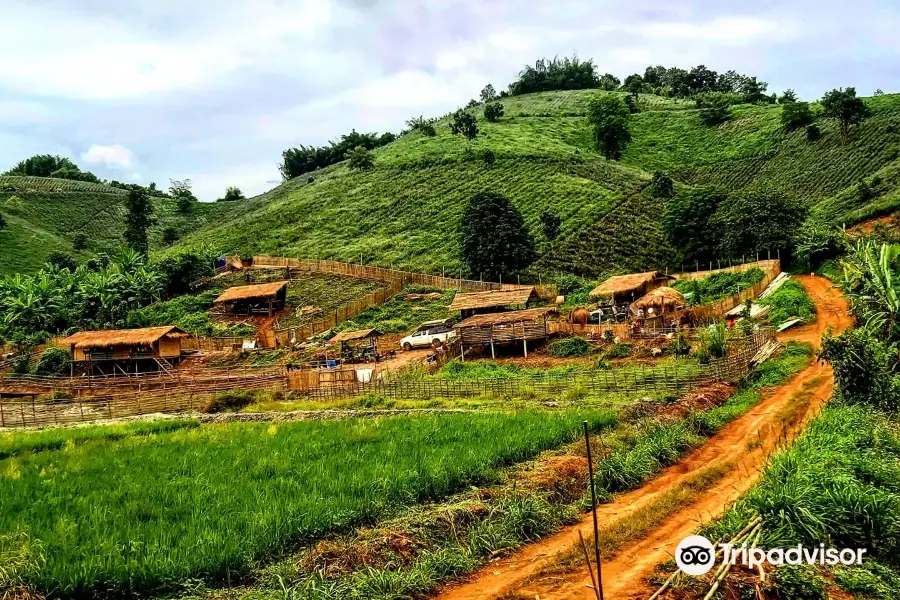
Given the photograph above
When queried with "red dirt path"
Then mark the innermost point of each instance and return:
(782, 414)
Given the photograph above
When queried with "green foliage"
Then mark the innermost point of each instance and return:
(754, 222)
(488, 93)
(787, 97)
(844, 107)
(813, 133)
(608, 118)
(231, 400)
(47, 165)
(2, 222)
(550, 223)
(250, 483)
(800, 582)
(568, 347)
(717, 286)
(184, 197)
(420, 123)
(556, 74)
(304, 159)
(713, 340)
(138, 220)
(864, 368)
(661, 185)
(633, 84)
(715, 107)
(360, 159)
(870, 580)
(79, 242)
(62, 260)
(789, 301)
(687, 223)
(493, 111)
(53, 361)
(232, 194)
(621, 350)
(494, 238)
(170, 235)
(488, 157)
(872, 283)
(817, 242)
(399, 315)
(795, 115)
(464, 124)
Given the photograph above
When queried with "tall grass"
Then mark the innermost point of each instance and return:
(143, 513)
(788, 302)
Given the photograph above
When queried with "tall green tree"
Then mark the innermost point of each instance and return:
(494, 240)
(464, 124)
(609, 82)
(184, 197)
(751, 222)
(488, 93)
(138, 220)
(844, 107)
(633, 84)
(687, 222)
(608, 117)
(493, 111)
(48, 165)
(795, 115)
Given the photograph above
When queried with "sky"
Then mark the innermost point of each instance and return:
(215, 90)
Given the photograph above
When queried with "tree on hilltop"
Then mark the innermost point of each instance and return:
(633, 84)
(795, 115)
(488, 93)
(48, 165)
(493, 238)
(180, 189)
(232, 194)
(844, 107)
(609, 82)
(608, 116)
(464, 124)
(787, 97)
(138, 219)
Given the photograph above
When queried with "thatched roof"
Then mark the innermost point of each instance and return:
(513, 316)
(349, 336)
(493, 298)
(120, 337)
(249, 292)
(661, 297)
(626, 284)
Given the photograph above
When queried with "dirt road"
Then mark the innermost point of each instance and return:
(745, 442)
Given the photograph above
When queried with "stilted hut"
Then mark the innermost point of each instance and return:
(511, 327)
(622, 289)
(653, 307)
(262, 298)
(358, 346)
(472, 303)
(125, 351)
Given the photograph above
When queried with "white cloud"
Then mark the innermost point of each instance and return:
(115, 156)
(725, 30)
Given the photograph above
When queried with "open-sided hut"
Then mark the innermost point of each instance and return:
(125, 351)
(261, 298)
(516, 326)
(472, 303)
(661, 300)
(358, 345)
(625, 288)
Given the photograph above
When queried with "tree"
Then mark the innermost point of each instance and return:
(609, 82)
(184, 197)
(62, 260)
(488, 157)
(2, 223)
(687, 222)
(878, 92)
(661, 185)
(556, 74)
(493, 111)
(715, 107)
(817, 241)
(754, 222)
(608, 116)
(170, 236)
(633, 84)
(48, 165)
(232, 194)
(420, 123)
(795, 115)
(138, 219)
(464, 123)
(488, 93)
(787, 97)
(813, 133)
(79, 242)
(494, 239)
(302, 159)
(360, 159)
(844, 107)
(754, 91)
(550, 223)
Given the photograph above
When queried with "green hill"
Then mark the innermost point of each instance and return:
(44, 214)
(405, 211)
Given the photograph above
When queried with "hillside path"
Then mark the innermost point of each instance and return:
(746, 442)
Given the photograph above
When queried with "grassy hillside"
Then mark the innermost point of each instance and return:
(44, 215)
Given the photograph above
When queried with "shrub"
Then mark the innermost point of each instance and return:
(464, 124)
(713, 340)
(21, 365)
(360, 159)
(661, 185)
(488, 157)
(79, 242)
(493, 111)
(795, 115)
(788, 302)
(231, 400)
(622, 350)
(800, 582)
(813, 133)
(566, 347)
(53, 361)
(863, 368)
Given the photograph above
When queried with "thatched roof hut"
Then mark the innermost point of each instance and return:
(481, 301)
(629, 286)
(350, 336)
(86, 340)
(265, 298)
(662, 299)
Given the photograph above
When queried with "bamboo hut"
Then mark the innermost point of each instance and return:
(361, 345)
(509, 327)
(659, 301)
(261, 298)
(625, 288)
(125, 351)
(472, 303)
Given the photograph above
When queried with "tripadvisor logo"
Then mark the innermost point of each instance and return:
(696, 555)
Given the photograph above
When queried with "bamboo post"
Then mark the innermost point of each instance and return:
(587, 442)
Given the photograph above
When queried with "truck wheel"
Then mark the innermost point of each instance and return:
(407, 346)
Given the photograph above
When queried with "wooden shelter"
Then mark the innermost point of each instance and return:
(471, 303)
(125, 351)
(625, 288)
(661, 300)
(261, 298)
(504, 328)
(360, 345)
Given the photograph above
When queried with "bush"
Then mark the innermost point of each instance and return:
(713, 340)
(79, 242)
(800, 582)
(567, 347)
(488, 157)
(231, 400)
(788, 302)
(53, 361)
(622, 350)
(863, 368)
(493, 111)
(795, 115)
(813, 133)
(21, 365)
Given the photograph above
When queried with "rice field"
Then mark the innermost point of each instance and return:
(142, 513)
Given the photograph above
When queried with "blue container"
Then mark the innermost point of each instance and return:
(330, 363)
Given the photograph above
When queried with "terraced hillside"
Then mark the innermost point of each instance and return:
(405, 212)
(43, 215)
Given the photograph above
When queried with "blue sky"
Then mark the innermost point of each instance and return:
(214, 90)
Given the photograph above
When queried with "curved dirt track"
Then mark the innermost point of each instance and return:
(746, 443)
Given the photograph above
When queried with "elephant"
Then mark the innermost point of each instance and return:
(579, 316)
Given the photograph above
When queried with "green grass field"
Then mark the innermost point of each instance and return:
(145, 512)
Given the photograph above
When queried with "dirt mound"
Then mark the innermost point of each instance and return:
(702, 398)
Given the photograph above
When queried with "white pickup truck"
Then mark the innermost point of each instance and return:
(428, 334)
